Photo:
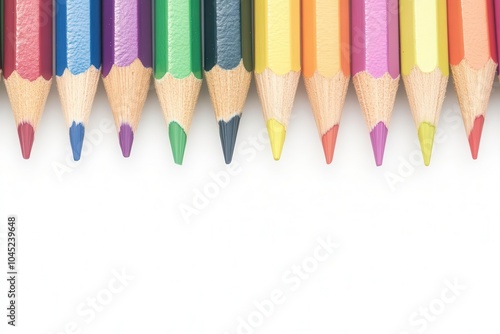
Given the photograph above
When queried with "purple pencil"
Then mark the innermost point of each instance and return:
(375, 65)
(126, 63)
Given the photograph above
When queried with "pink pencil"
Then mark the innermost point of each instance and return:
(375, 65)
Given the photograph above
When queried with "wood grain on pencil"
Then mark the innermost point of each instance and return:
(326, 65)
(375, 65)
(78, 63)
(126, 63)
(424, 64)
(277, 64)
(473, 60)
(178, 67)
(228, 64)
(27, 63)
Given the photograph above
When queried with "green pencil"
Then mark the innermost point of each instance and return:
(177, 66)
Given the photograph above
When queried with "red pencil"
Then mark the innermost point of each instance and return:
(27, 63)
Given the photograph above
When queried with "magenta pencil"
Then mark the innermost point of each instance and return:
(375, 65)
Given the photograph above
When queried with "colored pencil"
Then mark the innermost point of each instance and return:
(326, 64)
(277, 64)
(1, 38)
(424, 64)
(375, 65)
(27, 63)
(126, 63)
(178, 69)
(228, 64)
(78, 63)
(473, 60)
(497, 24)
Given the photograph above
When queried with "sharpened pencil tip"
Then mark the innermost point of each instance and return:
(76, 135)
(277, 134)
(475, 136)
(178, 140)
(329, 141)
(426, 132)
(126, 139)
(26, 134)
(228, 132)
(378, 137)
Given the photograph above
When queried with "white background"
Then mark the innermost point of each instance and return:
(400, 241)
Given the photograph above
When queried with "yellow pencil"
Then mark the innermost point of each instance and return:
(424, 64)
(277, 64)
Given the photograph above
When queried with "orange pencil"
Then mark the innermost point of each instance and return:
(473, 60)
(325, 63)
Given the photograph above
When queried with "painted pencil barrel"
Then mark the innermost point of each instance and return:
(78, 63)
(496, 7)
(228, 64)
(126, 62)
(375, 65)
(326, 64)
(277, 63)
(424, 64)
(78, 36)
(178, 66)
(424, 41)
(177, 39)
(277, 36)
(126, 34)
(473, 60)
(326, 44)
(1, 34)
(28, 39)
(27, 63)
(375, 37)
(228, 34)
(471, 32)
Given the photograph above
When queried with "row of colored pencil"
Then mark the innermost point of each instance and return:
(375, 40)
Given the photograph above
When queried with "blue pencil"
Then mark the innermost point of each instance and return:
(78, 63)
